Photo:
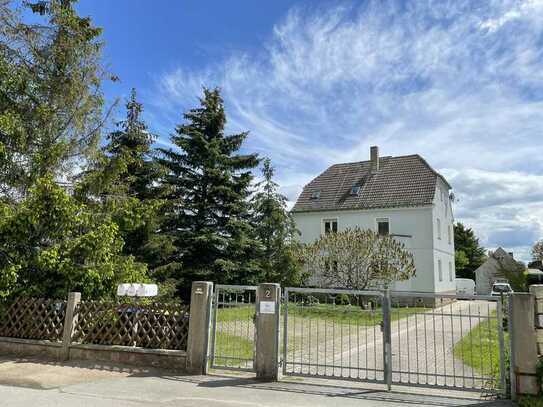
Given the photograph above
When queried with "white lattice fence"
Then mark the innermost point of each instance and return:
(156, 325)
(33, 318)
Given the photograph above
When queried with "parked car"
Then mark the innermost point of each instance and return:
(465, 286)
(501, 288)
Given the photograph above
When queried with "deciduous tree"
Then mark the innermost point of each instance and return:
(357, 259)
(51, 244)
(537, 251)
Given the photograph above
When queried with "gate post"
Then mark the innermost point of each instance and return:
(198, 338)
(387, 340)
(523, 345)
(267, 331)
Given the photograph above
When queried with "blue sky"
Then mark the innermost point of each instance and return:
(318, 82)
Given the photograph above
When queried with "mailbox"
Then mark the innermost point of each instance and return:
(137, 290)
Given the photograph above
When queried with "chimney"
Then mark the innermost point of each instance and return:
(511, 254)
(374, 158)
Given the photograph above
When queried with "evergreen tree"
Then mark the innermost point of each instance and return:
(122, 183)
(50, 96)
(208, 185)
(469, 254)
(276, 232)
(131, 145)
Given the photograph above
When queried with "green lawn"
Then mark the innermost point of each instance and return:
(343, 314)
(480, 348)
(232, 346)
(348, 314)
(238, 313)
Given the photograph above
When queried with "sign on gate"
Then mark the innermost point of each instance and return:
(267, 307)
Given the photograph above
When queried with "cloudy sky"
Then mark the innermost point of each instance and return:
(318, 82)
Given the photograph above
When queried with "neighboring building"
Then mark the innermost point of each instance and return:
(401, 196)
(492, 270)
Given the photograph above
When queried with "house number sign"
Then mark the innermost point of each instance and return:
(267, 307)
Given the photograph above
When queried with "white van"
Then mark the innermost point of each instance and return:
(465, 286)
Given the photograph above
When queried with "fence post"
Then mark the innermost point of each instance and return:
(523, 345)
(267, 331)
(387, 340)
(70, 319)
(200, 316)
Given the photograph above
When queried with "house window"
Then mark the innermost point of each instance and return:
(439, 229)
(449, 234)
(440, 270)
(451, 275)
(355, 190)
(330, 226)
(315, 194)
(383, 226)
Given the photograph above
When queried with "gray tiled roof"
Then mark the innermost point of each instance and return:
(400, 182)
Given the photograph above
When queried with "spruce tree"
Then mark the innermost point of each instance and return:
(51, 103)
(132, 144)
(276, 232)
(122, 183)
(208, 184)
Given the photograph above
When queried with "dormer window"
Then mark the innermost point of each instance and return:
(315, 194)
(355, 190)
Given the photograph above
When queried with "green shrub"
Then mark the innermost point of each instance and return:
(530, 402)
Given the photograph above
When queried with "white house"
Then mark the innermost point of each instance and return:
(401, 196)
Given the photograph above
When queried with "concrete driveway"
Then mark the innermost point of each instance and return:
(46, 384)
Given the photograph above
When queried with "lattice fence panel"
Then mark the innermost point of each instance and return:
(155, 326)
(33, 318)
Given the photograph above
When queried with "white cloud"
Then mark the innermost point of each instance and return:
(528, 9)
(505, 208)
(457, 82)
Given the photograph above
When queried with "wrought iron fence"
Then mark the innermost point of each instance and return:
(33, 318)
(137, 323)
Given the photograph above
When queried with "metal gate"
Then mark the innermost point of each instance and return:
(401, 338)
(448, 341)
(233, 330)
(334, 333)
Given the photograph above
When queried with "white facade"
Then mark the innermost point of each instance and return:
(426, 231)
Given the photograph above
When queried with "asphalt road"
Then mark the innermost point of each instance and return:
(45, 384)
